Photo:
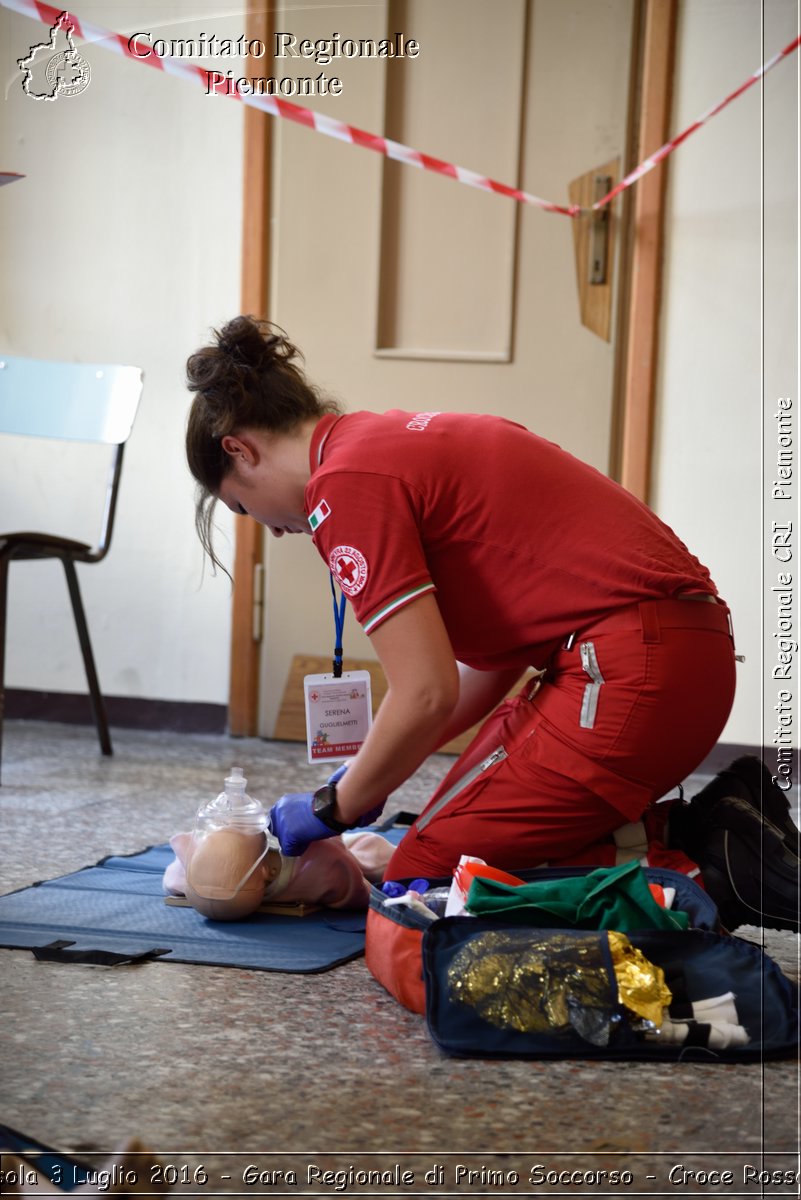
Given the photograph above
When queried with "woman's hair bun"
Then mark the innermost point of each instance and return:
(249, 377)
(254, 343)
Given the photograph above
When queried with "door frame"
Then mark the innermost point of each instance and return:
(637, 342)
(637, 350)
(243, 688)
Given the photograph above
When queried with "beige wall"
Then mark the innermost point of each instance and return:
(710, 418)
(121, 244)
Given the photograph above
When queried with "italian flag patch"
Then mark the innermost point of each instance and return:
(319, 515)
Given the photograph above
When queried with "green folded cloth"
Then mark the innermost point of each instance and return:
(607, 898)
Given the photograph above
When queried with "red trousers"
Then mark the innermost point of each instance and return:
(624, 714)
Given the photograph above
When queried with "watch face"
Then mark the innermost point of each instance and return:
(323, 807)
(324, 800)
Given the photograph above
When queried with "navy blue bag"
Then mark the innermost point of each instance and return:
(499, 990)
(493, 988)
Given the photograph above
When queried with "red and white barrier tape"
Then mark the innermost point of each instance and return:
(329, 126)
(659, 155)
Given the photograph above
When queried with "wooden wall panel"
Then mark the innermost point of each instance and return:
(448, 254)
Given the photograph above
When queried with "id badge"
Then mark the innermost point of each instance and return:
(338, 715)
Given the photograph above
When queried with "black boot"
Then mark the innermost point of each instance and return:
(749, 862)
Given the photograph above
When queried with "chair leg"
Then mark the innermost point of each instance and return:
(88, 658)
(3, 596)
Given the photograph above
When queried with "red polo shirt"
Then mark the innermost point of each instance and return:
(522, 542)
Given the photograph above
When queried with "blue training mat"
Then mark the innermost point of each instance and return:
(115, 912)
(64, 1172)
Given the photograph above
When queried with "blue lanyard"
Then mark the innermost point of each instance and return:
(339, 625)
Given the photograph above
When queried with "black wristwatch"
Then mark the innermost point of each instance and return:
(323, 804)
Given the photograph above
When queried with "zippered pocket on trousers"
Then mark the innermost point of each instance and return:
(497, 756)
(589, 701)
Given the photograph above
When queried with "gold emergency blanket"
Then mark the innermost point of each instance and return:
(640, 983)
(519, 980)
(515, 979)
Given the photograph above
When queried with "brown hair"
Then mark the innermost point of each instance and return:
(250, 377)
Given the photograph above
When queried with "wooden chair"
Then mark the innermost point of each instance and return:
(84, 402)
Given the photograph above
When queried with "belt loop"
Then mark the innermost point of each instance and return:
(649, 617)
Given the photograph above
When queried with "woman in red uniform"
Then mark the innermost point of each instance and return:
(471, 551)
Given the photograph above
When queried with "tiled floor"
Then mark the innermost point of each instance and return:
(226, 1068)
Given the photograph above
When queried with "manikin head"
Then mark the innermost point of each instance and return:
(227, 871)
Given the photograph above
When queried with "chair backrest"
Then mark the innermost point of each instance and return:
(83, 402)
(80, 401)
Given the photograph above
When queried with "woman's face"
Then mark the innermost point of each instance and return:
(267, 480)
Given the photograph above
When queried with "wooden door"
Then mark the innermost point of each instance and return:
(407, 290)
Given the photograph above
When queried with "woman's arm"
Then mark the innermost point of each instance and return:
(479, 693)
(423, 691)
(423, 707)
(430, 699)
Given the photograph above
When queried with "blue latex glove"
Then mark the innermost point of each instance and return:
(292, 821)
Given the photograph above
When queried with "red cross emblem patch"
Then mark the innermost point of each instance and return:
(350, 569)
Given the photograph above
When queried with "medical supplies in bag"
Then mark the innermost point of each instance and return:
(508, 985)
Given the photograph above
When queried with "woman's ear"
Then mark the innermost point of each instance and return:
(240, 448)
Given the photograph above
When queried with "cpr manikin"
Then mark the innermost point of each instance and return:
(231, 863)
